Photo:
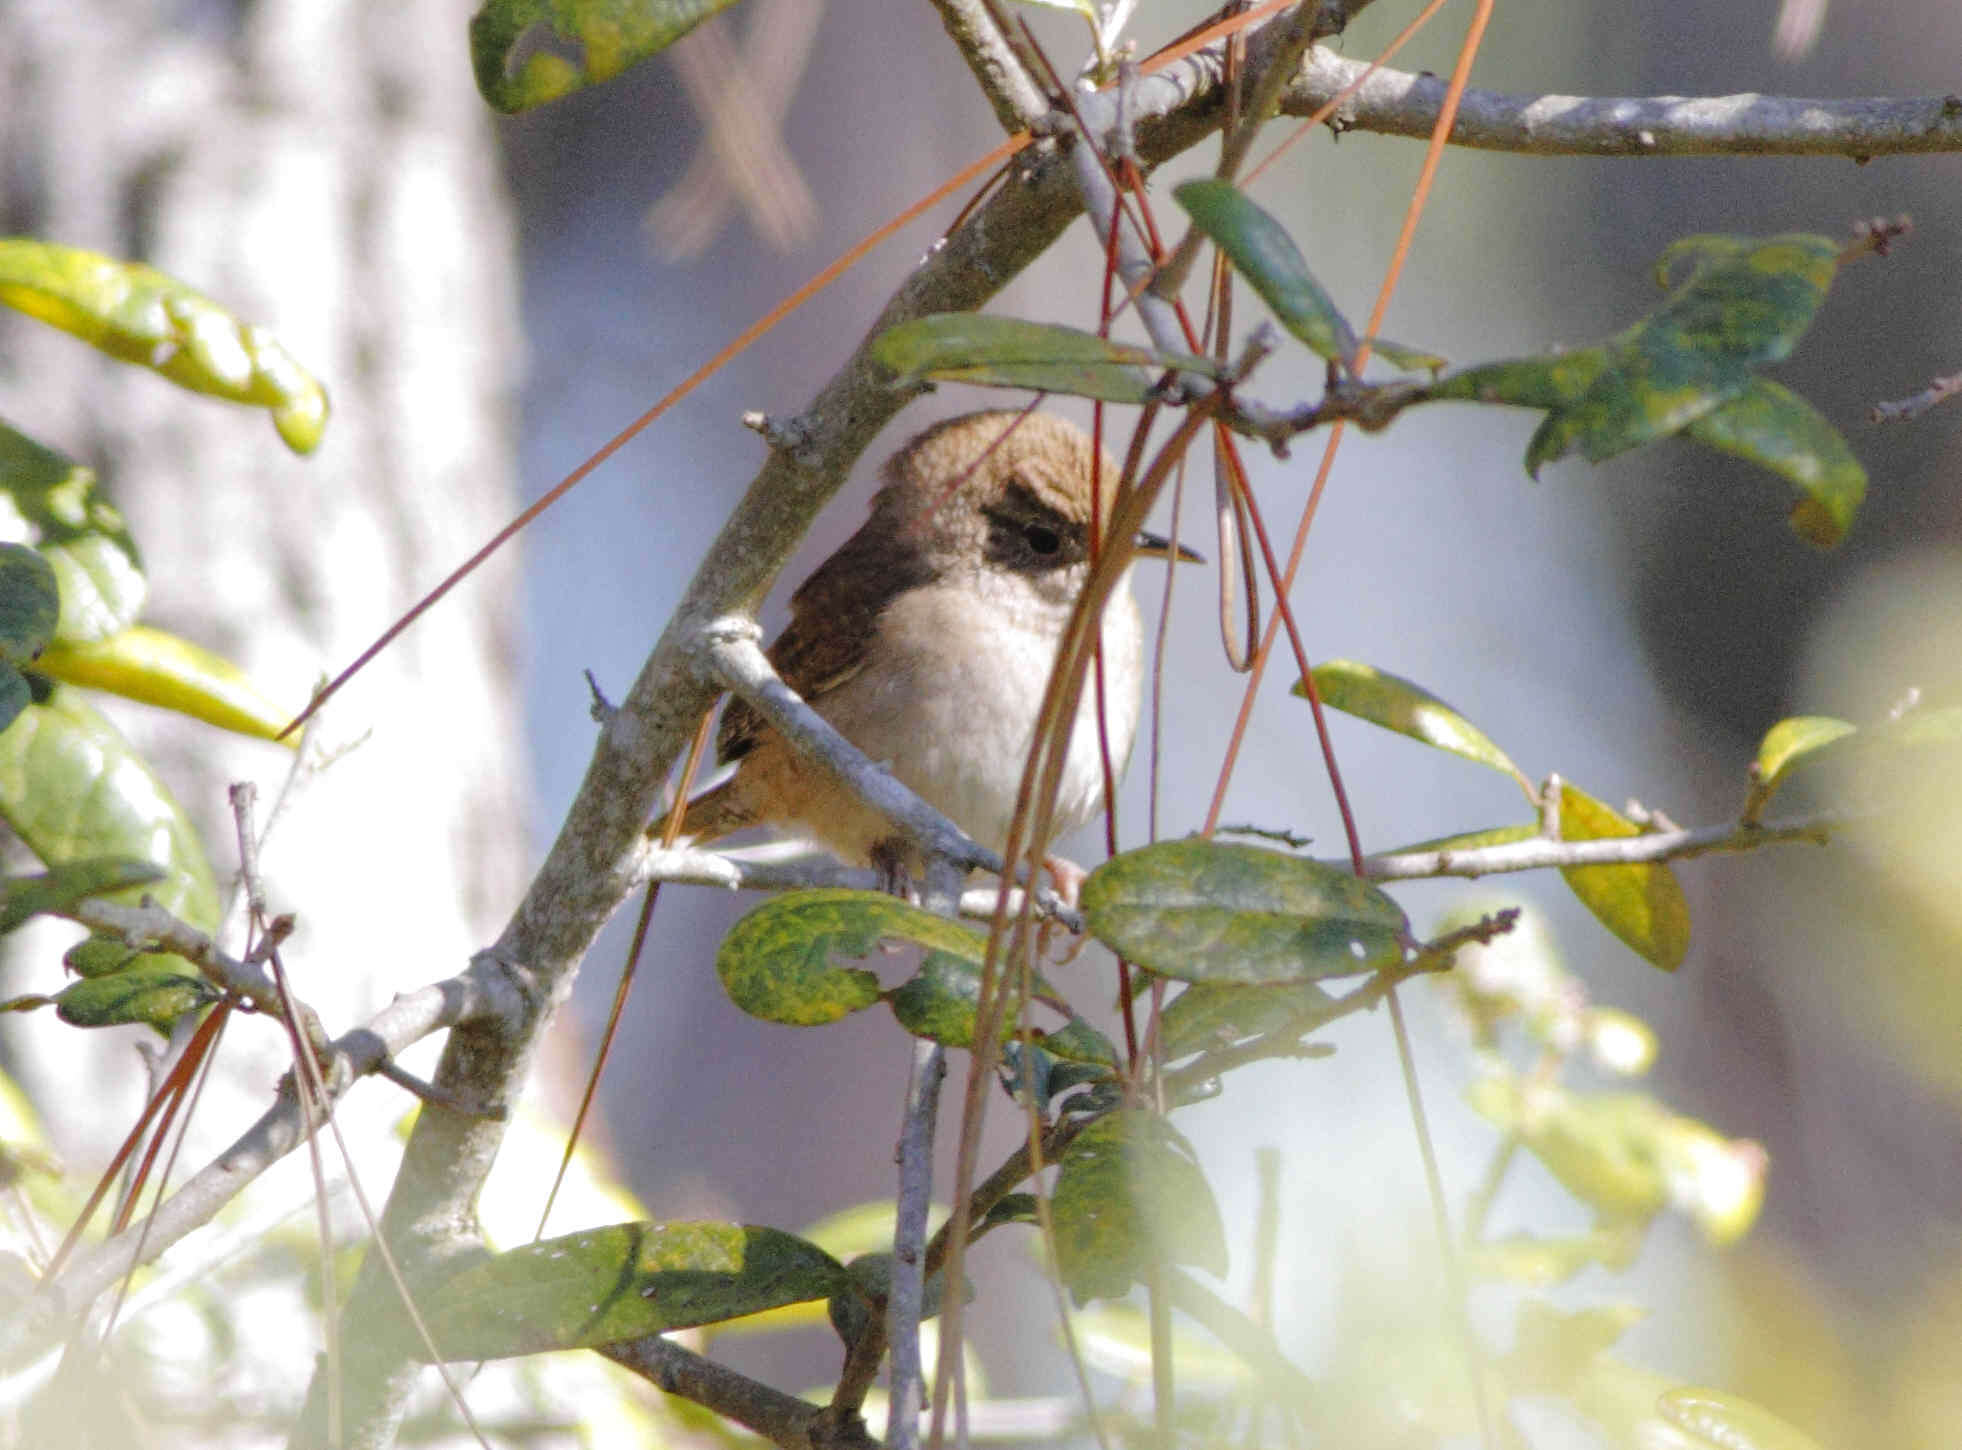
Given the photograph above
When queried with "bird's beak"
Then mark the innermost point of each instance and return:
(1157, 546)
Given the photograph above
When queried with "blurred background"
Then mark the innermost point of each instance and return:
(1635, 626)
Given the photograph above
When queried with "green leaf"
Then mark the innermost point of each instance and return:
(98, 956)
(1077, 1041)
(939, 1001)
(1772, 426)
(148, 992)
(156, 668)
(1642, 904)
(1406, 359)
(1790, 742)
(1127, 1190)
(1260, 250)
(568, 45)
(1604, 1149)
(1405, 707)
(15, 695)
(1747, 306)
(776, 962)
(1008, 352)
(1209, 911)
(622, 1282)
(72, 788)
(1210, 1015)
(55, 504)
(1472, 840)
(29, 604)
(138, 315)
(1714, 1420)
(1551, 381)
(24, 896)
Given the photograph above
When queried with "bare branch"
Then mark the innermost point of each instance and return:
(783, 1420)
(479, 992)
(1541, 852)
(1913, 406)
(1398, 103)
(730, 652)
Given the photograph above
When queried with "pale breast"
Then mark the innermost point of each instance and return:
(950, 698)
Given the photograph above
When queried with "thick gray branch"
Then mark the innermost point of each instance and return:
(1018, 101)
(1397, 103)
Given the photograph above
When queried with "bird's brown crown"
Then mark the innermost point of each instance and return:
(966, 466)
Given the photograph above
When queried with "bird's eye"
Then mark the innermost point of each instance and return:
(1041, 539)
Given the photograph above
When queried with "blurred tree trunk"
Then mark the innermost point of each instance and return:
(325, 168)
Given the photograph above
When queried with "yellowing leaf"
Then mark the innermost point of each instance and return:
(1641, 903)
(139, 315)
(1405, 707)
(160, 669)
(568, 45)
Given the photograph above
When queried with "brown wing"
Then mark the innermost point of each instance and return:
(832, 616)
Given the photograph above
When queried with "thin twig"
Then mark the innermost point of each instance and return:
(907, 1296)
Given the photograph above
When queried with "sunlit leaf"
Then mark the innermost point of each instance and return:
(1791, 741)
(1604, 1149)
(1129, 1190)
(72, 788)
(149, 992)
(24, 896)
(1261, 250)
(1555, 1347)
(138, 315)
(1715, 1420)
(160, 669)
(1640, 903)
(54, 503)
(621, 1282)
(1405, 707)
(528, 52)
(776, 963)
(1008, 352)
(1210, 911)
(1773, 427)
(1524, 1260)
(1407, 359)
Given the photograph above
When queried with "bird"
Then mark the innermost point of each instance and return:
(927, 640)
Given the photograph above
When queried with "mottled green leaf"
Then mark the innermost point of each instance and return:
(149, 992)
(1405, 707)
(55, 890)
(138, 315)
(1743, 308)
(939, 1001)
(1261, 250)
(1008, 352)
(148, 665)
(1714, 1420)
(1209, 911)
(621, 1282)
(1209, 1015)
(1772, 426)
(72, 788)
(1078, 1042)
(1551, 381)
(1642, 904)
(54, 503)
(98, 956)
(29, 604)
(1129, 1188)
(528, 52)
(776, 962)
